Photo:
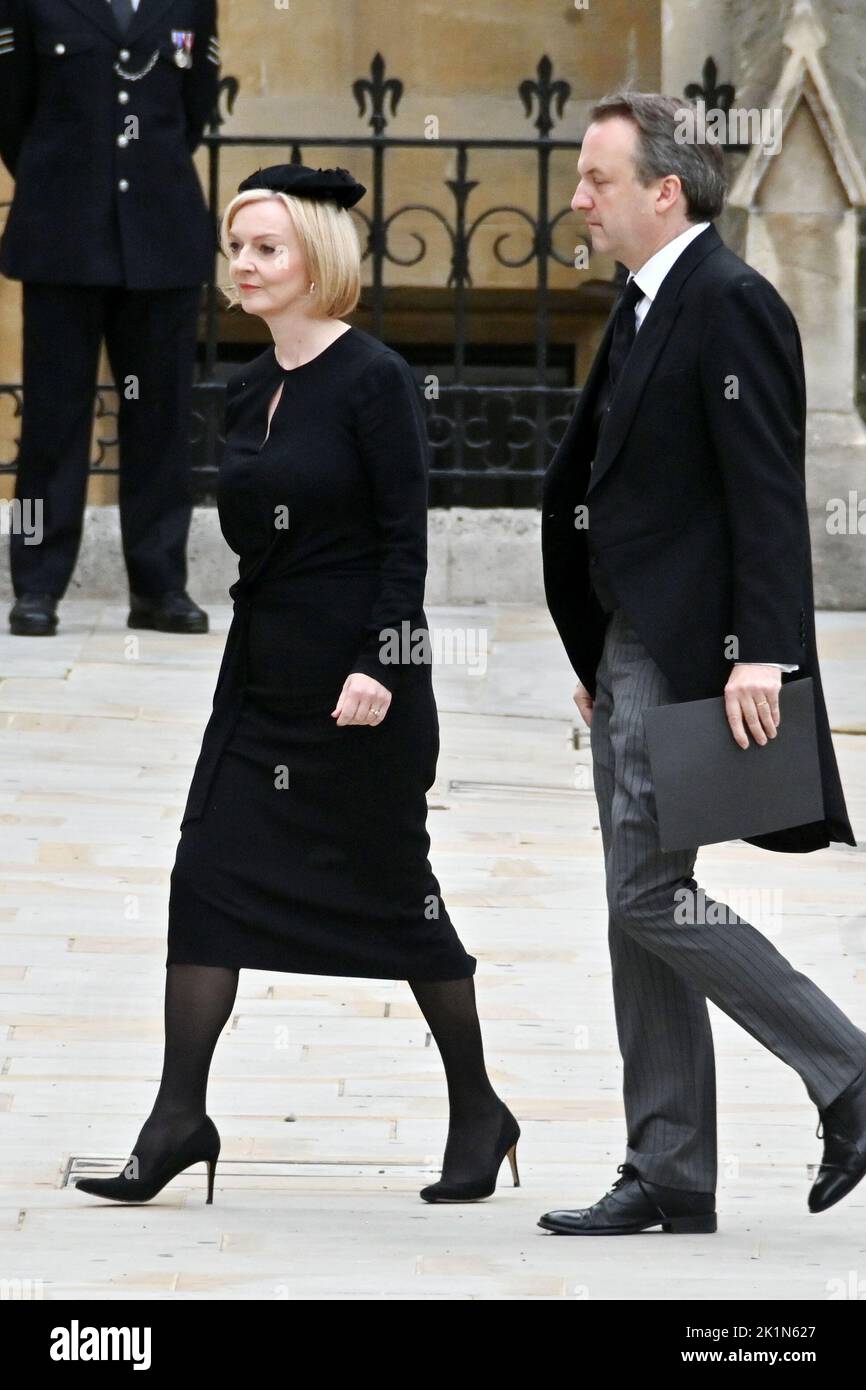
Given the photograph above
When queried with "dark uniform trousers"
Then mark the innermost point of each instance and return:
(150, 340)
(112, 239)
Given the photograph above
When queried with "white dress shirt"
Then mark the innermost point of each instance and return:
(649, 279)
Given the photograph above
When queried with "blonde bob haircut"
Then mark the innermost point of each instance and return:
(329, 242)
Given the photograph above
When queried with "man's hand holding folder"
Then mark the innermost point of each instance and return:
(704, 791)
(752, 698)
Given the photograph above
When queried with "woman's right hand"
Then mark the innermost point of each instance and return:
(362, 701)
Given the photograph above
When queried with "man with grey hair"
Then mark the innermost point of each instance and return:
(677, 566)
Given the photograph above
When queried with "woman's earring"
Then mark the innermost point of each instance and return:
(312, 286)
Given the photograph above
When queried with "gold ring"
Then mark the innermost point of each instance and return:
(375, 711)
(763, 702)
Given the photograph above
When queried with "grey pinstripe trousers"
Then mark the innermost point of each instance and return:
(664, 972)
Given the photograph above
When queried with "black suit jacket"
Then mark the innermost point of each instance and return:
(63, 107)
(695, 503)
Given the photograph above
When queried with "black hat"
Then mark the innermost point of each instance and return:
(302, 182)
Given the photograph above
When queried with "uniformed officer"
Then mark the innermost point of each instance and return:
(104, 102)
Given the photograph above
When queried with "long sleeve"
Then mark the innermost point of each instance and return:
(750, 351)
(201, 80)
(17, 80)
(392, 439)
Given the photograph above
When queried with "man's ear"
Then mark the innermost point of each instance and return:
(669, 190)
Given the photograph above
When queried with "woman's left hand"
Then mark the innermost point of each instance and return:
(362, 701)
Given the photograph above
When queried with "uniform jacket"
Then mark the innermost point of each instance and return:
(98, 127)
(695, 501)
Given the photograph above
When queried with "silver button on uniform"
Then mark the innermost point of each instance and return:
(60, 48)
(123, 97)
(123, 139)
(124, 55)
(123, 184)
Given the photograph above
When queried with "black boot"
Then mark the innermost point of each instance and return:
(171, 612)
(633, 1205)
(33, 615)
(844, 1161)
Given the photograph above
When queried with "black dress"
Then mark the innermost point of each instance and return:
(304, 844)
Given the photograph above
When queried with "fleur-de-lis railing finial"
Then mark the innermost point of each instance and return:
(718, 96)
(547, 92)
(378, 88)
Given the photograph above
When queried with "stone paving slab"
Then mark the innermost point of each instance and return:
(328, 1093)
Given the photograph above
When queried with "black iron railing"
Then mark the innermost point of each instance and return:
(491, 440)
(492, 427)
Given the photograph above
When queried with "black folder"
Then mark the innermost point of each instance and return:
(708, 788)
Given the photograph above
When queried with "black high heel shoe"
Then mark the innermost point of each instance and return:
(203, 1145)
(509, 1133)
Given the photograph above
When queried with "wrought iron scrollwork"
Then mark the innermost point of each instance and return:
(582, 241)
(422, 244)
(482, 433)
(227, 94)
(503, 236)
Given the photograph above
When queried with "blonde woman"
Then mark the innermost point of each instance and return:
(304, 843)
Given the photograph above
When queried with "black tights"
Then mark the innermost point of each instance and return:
(198, 1003)
(475, 1110)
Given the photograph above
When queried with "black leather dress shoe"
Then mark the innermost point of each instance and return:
(172, 612)
(844, 1160)
(633, 1205)
(33, 615)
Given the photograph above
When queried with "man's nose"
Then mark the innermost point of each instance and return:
(581, 201)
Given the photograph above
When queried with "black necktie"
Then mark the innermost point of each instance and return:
(624, 330)
(123, 12)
